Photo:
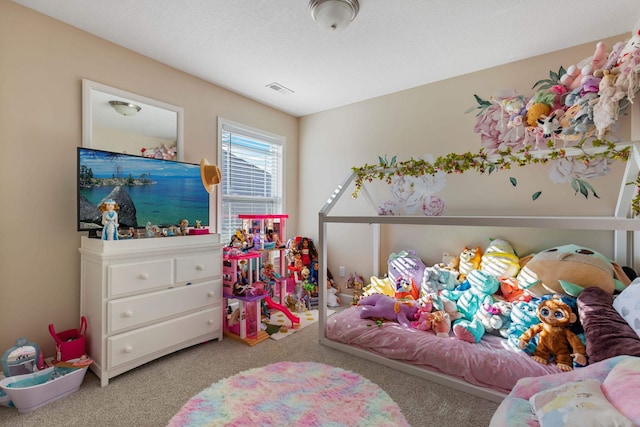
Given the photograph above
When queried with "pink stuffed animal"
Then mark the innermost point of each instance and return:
(436, 321)
(575, 73)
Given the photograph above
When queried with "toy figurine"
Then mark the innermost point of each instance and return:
(109, 219)
(307, 251)
(332, 295)
(184, 224)
(149, 230)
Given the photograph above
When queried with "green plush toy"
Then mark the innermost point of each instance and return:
(568, 270)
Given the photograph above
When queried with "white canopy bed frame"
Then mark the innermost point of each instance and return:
(622, 223)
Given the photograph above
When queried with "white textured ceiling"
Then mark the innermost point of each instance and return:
(392, 45)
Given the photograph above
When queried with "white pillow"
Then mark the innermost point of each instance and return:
(627, 304)
(579, 404)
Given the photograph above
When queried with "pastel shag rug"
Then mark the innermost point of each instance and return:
(292, 394)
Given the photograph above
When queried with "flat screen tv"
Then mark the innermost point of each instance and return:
(147, 190)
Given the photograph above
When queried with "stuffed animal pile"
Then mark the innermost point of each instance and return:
(583, 101)
(498, 293)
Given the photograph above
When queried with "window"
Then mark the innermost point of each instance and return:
(252, 174)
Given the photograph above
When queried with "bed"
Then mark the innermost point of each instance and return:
(490, 364)
(488, 369)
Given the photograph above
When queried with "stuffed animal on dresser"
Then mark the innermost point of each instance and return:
(556, 339)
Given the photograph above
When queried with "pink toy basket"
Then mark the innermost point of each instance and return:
(69, 343)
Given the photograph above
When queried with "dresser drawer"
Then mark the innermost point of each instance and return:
(125, 313)
(141, 276)
(132, 345)
(197, 267)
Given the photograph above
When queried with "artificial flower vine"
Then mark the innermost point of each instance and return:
(482, 163)
(635, 202)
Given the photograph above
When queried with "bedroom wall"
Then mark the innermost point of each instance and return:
(42, 64)
(431, 119)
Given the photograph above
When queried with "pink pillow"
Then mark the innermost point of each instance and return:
(622, 386)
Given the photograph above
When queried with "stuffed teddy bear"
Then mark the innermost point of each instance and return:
(482, 287)
(568, 269)
(524, 314)
(556, 339)
(389, 308)
(438, 278)
(496, 318)
(470, 259)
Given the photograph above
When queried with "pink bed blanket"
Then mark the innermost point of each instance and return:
(491, 363)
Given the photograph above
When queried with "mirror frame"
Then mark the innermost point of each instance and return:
(87, 114)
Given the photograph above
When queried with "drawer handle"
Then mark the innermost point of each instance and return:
(210, 321)
(211, 294)
(128, 349)
(143, 276)
(128, 313)
(199, 267)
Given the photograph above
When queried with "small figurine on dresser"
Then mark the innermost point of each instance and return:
(109, 219)
(184, 226)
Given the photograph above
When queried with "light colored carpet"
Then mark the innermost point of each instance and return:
(291, 394)
(307, 318)
(150, 395)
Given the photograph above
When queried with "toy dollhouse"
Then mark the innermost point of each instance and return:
(245, 288)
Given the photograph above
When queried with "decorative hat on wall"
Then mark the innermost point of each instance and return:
(210, 175)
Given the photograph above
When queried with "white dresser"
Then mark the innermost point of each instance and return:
(146, 298)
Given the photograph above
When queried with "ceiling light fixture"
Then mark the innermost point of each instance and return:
(334, 15)
(125, 108)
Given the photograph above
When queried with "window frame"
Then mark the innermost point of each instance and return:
(225, 125)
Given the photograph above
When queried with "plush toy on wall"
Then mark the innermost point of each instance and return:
(568, 269)
(389, 308)
(556, 339)
(575, 74)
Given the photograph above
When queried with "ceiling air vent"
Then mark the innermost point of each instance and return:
(279, 88)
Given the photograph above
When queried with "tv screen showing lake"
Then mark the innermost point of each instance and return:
(162, 191)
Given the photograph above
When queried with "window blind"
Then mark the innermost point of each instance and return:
(252, 175)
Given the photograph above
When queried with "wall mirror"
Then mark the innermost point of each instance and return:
(124, 122)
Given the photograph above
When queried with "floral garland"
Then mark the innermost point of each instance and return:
(635, 202)
(481, 162)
